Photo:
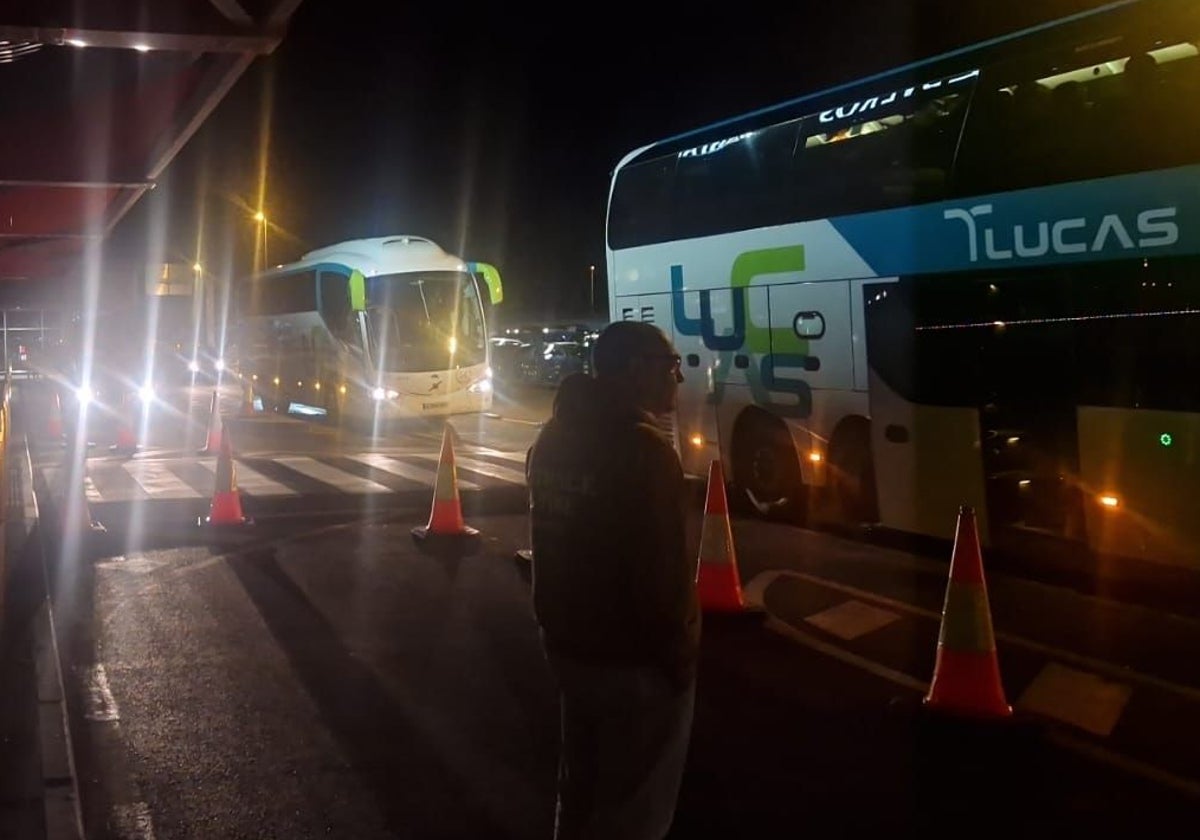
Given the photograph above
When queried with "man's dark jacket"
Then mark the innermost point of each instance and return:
(612, 580)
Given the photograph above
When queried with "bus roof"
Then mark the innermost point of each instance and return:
(382, 255)
(884, 74)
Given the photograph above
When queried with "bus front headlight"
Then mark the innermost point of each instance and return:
(481, 386)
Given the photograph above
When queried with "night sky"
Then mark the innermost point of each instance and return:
(494, 131)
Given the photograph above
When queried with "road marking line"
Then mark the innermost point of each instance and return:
(1087, 749)
(332, 475)
(757, 588)
(1076, 697)
(852, 619)
(484, 468)
(158, 481)
(404, 470)
(89, 487)
(515, 457)
(98, 699)
(795, 634)
(252, 481)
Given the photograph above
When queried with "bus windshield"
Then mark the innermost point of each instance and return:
(425, 321)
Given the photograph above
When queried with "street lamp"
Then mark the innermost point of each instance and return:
(261, 218)
(592, 286)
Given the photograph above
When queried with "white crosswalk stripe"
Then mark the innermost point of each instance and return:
(251, 481)
(404, 470)
(484, 468)
(331, 475)
(158, 481)
(164, 478)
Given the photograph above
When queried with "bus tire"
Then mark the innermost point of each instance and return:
(766, 470)
(852, 473)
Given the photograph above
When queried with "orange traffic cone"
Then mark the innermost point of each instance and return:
(446, 523)
(126, 435)
(966, 675)
(720, 588)
(226, 507)
(213, 442)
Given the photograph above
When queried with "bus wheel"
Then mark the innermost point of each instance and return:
(766, 470)
(852, 475)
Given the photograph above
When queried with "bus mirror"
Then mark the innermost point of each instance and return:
(491, 276)
(358, 291)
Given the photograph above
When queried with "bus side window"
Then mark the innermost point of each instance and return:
(335, 306)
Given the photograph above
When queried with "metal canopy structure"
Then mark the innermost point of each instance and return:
(96, 99)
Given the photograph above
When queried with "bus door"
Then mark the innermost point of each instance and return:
(924, 381)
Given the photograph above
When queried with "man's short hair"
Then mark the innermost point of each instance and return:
(621, 343)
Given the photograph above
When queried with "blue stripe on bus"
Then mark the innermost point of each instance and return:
(1143, 215)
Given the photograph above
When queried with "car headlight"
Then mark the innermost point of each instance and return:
(194, 366)
(146, 393)
(84, 394)
(380, 394)
(219, 364)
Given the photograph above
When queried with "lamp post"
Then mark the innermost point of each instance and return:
(261, 218)
(592, 287)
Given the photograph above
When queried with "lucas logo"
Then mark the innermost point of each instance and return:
(1153, 228)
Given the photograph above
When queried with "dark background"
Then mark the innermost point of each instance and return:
(494, 129)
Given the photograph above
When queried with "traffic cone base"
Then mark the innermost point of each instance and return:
(719, 588)
(975, 691)
(966, 672)
(226, 509)
(446, 527)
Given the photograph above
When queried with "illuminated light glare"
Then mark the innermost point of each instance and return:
(142, 48)
(1166, 313)
(453, 344)
(379, 394)
(317, 385)
(276, 380)
(1110, 501)
(194, 366)
(254, 376)
(146, 393)
(84, 394)
(260, 216)
(299, 384)
(196, 267)
(1024, 482)
(815, 457)
(391, 395)
(697, 440)
(76, 42)
(483, 386)
(219, 364)
(1165, 439)
(488, 373)
(1013, 441)
(341, 389)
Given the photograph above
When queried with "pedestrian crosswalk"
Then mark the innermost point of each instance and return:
(358, 473)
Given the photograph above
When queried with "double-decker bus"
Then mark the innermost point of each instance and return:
(971, 280)
(372, 329)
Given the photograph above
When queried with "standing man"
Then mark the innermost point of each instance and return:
(614, 589)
